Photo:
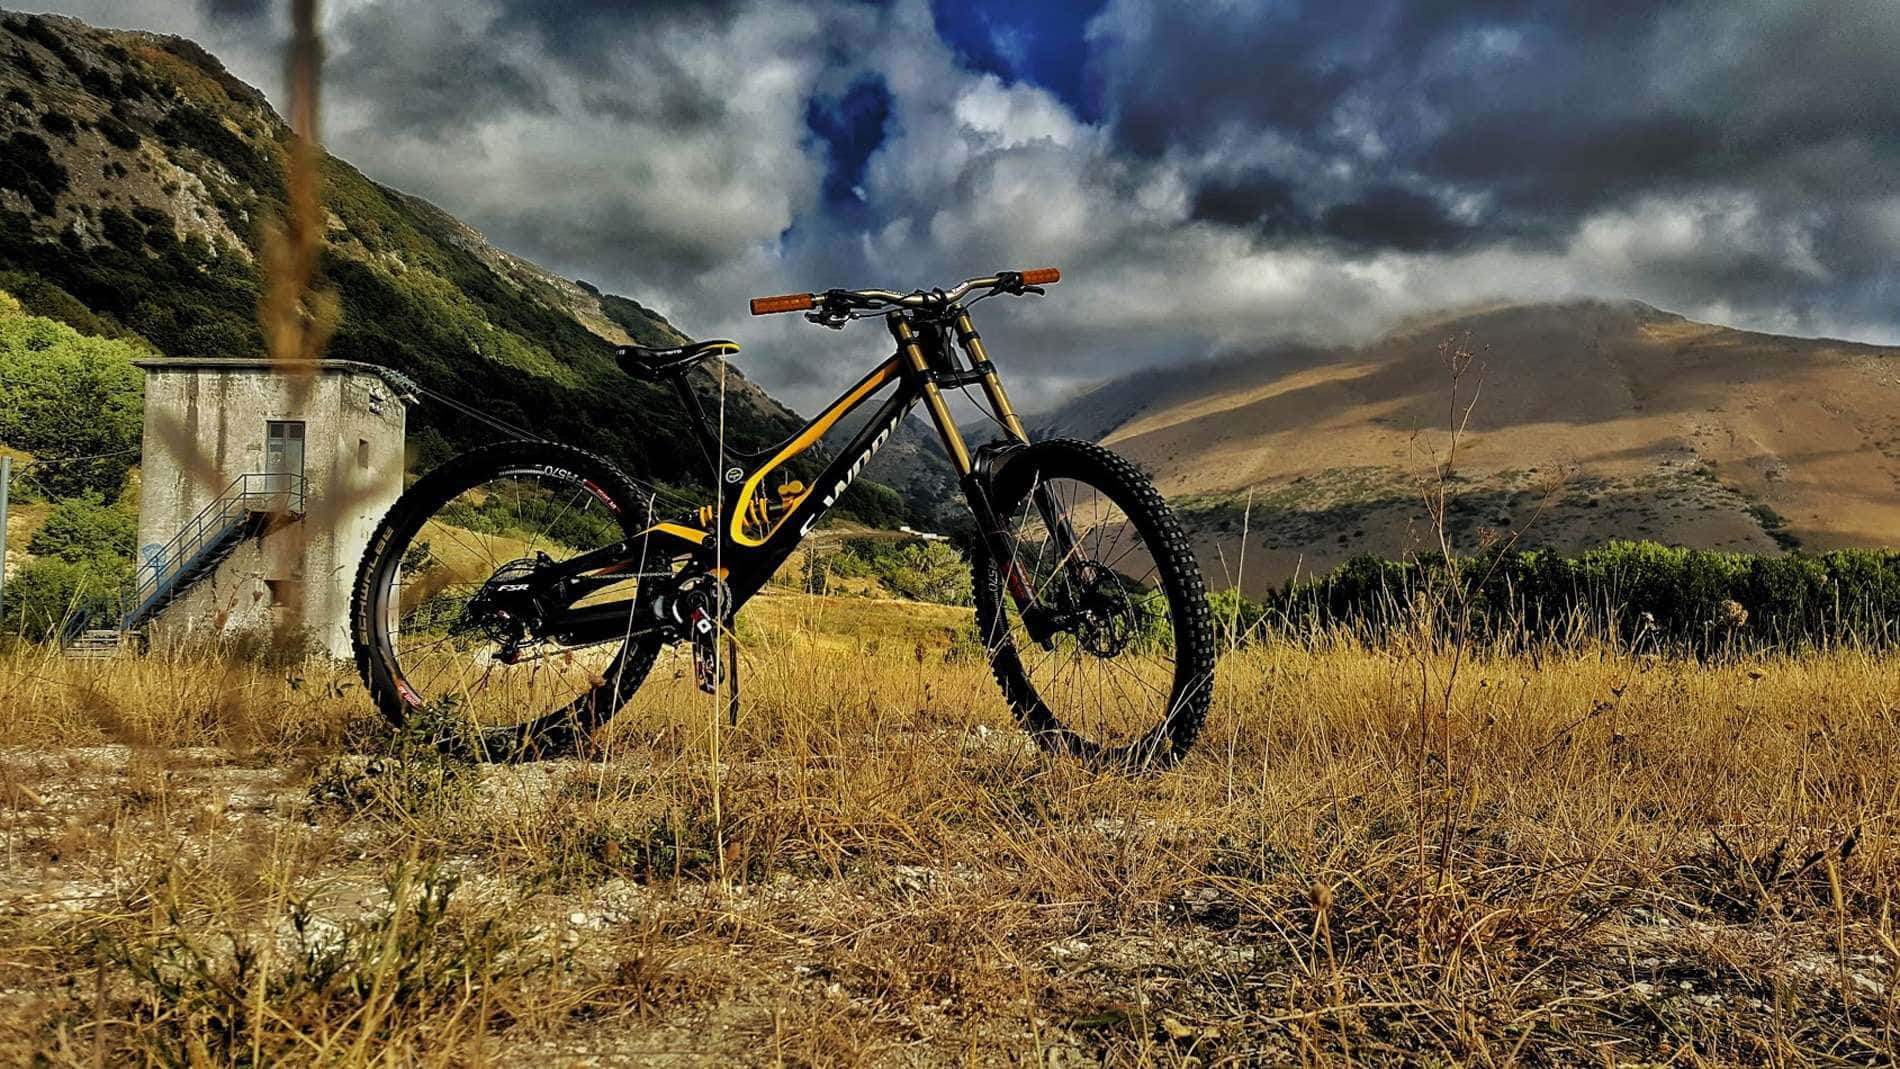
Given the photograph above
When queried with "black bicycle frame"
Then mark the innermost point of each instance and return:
(924, 364)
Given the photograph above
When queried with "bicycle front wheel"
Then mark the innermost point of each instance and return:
(432, 632)
(1096, 624)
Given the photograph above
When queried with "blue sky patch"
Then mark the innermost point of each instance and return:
(1036, 42)
(851, 127)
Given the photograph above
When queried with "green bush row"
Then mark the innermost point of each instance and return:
(920, 571)
(1631, 593)
(48, 594)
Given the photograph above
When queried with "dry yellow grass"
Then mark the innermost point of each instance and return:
(1592, 860)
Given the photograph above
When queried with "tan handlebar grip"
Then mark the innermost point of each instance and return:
(1041, 276)
(790, 302)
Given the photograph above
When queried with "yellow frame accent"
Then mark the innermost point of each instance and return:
(879, 377)
(678, 530)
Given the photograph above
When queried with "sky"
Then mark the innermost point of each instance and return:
(1212, 176)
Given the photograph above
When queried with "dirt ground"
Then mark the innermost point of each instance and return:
(1371, 858)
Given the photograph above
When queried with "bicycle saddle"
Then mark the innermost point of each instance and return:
(646, 362)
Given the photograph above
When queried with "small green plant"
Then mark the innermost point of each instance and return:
(408, 773)
(228, 999)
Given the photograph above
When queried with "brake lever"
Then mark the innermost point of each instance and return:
(1011, 282)
(832, 311)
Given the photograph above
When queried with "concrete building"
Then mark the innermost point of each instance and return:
(261, 484)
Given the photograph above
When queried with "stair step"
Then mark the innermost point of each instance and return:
(96, 644)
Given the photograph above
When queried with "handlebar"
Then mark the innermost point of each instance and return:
(1002, 281)
(790, 302)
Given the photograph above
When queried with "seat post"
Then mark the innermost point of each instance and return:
(696, 414)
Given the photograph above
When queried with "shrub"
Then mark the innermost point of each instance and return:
(28, 65)
(99, 83)
(16, 95)
(254, 1000)
(28, 168)
(119, 134)
(82, 529)
(44, 595)
(57, 122)
(1685, 600)
(121, 229)
(921, 571)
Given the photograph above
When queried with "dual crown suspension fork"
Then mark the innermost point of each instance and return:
(975, 486)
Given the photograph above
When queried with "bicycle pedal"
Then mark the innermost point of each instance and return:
(708, 672)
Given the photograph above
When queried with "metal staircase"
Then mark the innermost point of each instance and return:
(250, 505)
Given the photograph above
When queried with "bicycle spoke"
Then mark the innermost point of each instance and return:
(453, 642)
(1103, 674)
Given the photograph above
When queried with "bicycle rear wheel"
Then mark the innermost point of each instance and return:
(1110, 657)
(430, 626)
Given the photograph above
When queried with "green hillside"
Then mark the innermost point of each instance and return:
(136, 175)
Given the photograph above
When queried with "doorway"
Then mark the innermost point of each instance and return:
(283, 456)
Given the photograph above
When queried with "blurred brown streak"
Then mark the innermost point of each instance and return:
(296, 318)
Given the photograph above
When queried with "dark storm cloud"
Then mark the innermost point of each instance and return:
(586, 30)
(1206, 172)
(238, 9)
(1544, 112)
(428, 71)
(1260, 200)
(1390, 217)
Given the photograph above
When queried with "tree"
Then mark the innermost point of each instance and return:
(72, 401)
(81, 529)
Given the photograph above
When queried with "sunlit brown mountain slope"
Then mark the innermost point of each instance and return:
(1592, 421)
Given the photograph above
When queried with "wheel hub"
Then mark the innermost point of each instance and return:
(1093, 605)
(1105, 615)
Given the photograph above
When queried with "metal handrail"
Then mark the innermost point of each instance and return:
(269, 493)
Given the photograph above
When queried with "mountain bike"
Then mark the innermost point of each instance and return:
(525, 589)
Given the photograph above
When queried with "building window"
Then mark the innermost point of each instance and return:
(283, 449)
(362, 453)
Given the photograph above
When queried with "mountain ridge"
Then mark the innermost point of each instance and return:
(1590, 420)
(135, 174)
